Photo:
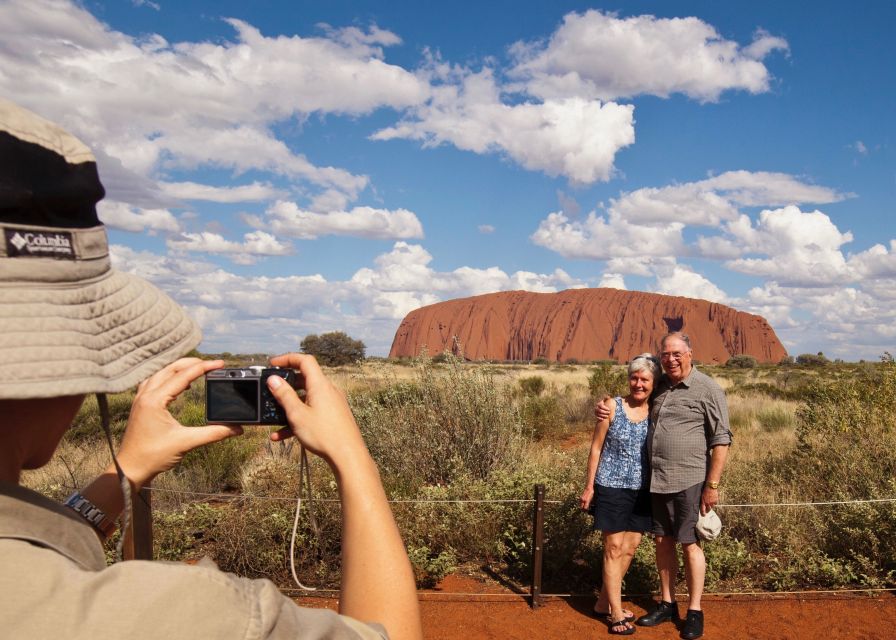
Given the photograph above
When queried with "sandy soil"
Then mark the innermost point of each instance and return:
(502, 615)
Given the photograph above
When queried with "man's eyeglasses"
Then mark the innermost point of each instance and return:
(672, 355)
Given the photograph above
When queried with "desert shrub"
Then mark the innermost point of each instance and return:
(742, 361)
(532, 385)
(577, 406)
(251, 538)
(608, 380)
(812, 360)
(726, 558)
(542, 416)
(841, 427)
(467, 518)
(251, 534)
(542, 362)
(430, 567)
(218, 466)
(450, 422)
(178, 535)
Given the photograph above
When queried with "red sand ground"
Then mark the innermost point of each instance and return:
(505, 617)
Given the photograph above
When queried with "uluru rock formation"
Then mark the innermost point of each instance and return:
(582, 324)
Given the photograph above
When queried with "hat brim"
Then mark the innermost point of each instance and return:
(100, 336)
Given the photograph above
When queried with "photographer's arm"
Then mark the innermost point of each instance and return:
(377, 581)
(154, 441)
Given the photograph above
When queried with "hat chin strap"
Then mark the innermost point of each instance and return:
(125, 517)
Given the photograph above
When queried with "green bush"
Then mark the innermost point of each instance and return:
(178, 535)
(609, 380)
(542, 416)
(532, 385)
(450, 422)
(812, 360)
(742, 361)
(218, 466)
(429, 568)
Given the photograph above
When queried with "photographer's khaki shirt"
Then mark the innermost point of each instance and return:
(54, 583)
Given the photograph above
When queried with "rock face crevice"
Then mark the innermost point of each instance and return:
(582, 324)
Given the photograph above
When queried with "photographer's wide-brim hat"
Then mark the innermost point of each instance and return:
(69, 323)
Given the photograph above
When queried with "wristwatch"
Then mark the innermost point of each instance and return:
(712, 485)
(90, 512)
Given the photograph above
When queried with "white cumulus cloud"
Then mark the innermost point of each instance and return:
(115, 91)
(802, 248)
(675, 279)
(272, 314)
(254, 192)
(599, 55)
(573, 137)
(286, 218)
(255, 244)
(119, 215)
(650, 221)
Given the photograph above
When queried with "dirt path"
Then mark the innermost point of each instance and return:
(504, 617)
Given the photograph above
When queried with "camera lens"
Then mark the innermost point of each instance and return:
(232, 374)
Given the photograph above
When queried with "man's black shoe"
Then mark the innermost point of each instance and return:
(693, 625)
(662, 612)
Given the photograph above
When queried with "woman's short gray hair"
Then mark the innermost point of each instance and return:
(645, 362)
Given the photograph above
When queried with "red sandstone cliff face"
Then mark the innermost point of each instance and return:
(582, 324)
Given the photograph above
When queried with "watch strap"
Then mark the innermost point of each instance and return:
(90, 512)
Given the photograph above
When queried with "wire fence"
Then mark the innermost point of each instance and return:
(142, 543)
(237, 496)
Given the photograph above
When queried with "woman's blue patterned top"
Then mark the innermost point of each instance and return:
(624, 456)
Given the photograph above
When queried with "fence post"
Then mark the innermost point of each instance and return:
(138, 543)
(537, 545)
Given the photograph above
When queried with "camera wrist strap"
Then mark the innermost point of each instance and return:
(304, 483)
(125, 518)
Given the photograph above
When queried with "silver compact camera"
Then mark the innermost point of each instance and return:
(241, 395)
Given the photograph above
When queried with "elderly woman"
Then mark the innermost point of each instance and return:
(616, 486)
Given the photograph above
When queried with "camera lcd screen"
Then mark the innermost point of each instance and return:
(232, 400)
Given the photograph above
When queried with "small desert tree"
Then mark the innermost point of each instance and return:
(809, 360)
(741, 361)
(334, 348)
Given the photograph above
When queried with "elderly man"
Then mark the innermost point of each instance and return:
(687, 445)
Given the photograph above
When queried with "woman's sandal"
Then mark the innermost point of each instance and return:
(605, 615)
(627, 627)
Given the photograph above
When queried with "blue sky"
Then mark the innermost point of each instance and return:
(285, 168)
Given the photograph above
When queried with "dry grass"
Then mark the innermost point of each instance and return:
(762, 427)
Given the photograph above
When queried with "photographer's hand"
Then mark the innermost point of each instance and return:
(154, 441)
(323, 422)
(377, 581)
